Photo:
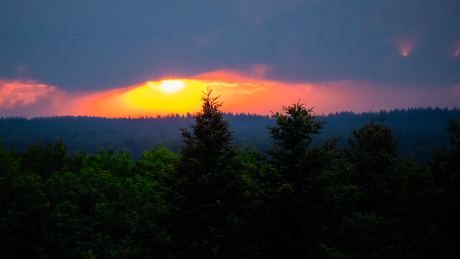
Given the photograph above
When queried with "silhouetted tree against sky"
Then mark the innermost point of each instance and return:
(374, 158)
(206, 178)
(292, 137)
(301, 192)
(437, 229)
(206, 151)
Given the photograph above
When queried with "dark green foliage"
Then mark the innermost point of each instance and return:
(401, 209)
(300, 200)
(21, 208)
(101, 209)
(156, 164)
(206, 184)
(373, 160)
(44, 160)
(373, 141)
(207, 147)
(416, 130)
(292, 136)
(370, 235)
(306, 171)
(204, 173)
(432, 200)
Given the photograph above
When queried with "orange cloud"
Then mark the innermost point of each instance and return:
(20, 93)
(240, 92)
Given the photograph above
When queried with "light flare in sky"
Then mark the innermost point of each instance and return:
(457, 49)
(406, 44)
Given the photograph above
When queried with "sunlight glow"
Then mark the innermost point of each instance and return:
(171, 86)
(241, 93)
(457, 49)
(406, 45)
(405, 48)
(153, 98)
(177, 96)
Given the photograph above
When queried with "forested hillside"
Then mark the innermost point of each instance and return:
(416, 131)
(299, 199)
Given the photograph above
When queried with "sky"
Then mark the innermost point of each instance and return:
(118, 58)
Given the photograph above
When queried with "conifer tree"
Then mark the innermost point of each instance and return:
(373, 159)
(301, 193)
(292, 137)
(206, 182)
(206, 153)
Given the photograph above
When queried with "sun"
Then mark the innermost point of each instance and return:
(162, 97)
(171, 86)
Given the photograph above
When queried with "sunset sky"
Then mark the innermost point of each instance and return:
(136, 58)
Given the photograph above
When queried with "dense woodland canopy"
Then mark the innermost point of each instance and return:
(353, 195)
(416, 130)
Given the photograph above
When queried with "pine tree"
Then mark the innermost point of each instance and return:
(206, 153)
(373, 160)
(207, 183)
(292, 137)
(302, 211)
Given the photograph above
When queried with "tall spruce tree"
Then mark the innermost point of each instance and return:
(206, 154)
(302, 211)
(207, 182)
(292, 137)
(374, 158)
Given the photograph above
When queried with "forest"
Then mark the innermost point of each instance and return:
(416, 130)
(299, 190)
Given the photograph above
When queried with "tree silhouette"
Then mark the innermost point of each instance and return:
(207, 149)
(206, 182)
(292, 137)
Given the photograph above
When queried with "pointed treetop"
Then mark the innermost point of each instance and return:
(210, 104)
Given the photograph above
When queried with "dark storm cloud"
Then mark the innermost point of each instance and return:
(106, 44)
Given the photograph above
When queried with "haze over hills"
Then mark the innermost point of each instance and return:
(416, 130)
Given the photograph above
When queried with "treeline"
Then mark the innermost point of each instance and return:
(416, 131)
(214, 200)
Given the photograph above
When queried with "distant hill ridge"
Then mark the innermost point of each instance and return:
(416, 130)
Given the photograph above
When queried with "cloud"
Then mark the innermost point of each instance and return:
(236, 82)
(241, 91)
(305, 40)
(14, 93)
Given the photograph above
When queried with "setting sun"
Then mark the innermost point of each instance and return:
(172, 86)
